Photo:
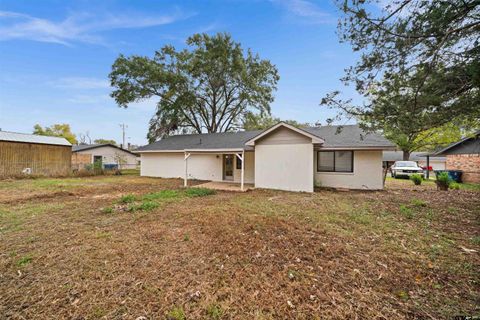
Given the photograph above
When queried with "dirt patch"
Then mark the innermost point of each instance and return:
(395, 254)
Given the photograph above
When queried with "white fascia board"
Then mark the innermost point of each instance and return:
(356, 148)
(314, 138)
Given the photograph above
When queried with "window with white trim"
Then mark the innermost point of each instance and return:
(335, 161)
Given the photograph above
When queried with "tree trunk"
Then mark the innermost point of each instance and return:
(406, 155)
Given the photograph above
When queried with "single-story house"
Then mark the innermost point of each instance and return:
(281, 157)
(30, 154)
(436, 162)
(108, 155)
(464, 155)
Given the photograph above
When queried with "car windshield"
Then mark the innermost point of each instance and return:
(405, 164)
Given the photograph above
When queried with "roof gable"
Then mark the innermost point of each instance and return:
(314, 138)
(85, 147)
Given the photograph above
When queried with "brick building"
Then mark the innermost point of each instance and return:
(464, 155)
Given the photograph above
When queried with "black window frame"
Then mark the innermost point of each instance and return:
(334, 155)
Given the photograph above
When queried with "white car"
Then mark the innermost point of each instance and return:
(405, 169)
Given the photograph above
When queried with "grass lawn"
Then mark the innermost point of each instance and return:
(123, 247)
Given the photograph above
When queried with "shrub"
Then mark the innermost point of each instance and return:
(416, 178)
(454, 186)
(129, 198)
(443, 181)
(199, 192)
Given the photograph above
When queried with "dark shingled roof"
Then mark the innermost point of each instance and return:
(349, 136)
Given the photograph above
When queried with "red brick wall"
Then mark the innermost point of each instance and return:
(468, 163)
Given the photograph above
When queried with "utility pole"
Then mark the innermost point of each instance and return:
(123, 126)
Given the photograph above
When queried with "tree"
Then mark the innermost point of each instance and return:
(84, 138)
(209, 87)
(56, 130)
(254, 121)
(419, 68)
(105, 141)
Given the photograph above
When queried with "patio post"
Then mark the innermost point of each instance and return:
(243, 170)
(242, 158)
(185, 180)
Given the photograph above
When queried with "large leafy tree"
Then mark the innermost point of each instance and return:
(209, 87)
(254, 121)
(105, 141)
(56, 130)
(419, 67)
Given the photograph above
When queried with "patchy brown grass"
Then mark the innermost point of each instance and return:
(70, 249)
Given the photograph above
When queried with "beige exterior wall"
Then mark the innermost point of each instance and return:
(109, 155)
(200, 166)
(249, 174)
(284, 160)
(367, 172)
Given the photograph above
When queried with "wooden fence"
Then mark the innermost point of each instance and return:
(39, 159)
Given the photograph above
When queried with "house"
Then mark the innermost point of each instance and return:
(436, 162)
(464, 155)
(281, 157)
(22, 153)
(108, 155)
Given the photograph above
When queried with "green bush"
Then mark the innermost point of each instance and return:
(454, 186)
(199, 192)
(443, 181)
(416, 178)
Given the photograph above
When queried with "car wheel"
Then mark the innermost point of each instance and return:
(394, 176)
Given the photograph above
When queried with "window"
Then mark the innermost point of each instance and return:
(239, 163)
(335, 161)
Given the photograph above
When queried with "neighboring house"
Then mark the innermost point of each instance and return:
(436, 162)
(464, 155)
(281, 157)
(108, 155)
(22, 153)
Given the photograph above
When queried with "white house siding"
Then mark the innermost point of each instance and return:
(367, 172)
(164, 165)
(200, 166)
(284, 160)
(110, 154)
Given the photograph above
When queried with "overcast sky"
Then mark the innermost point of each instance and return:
(55, 56)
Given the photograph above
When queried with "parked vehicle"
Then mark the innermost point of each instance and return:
(405, 169)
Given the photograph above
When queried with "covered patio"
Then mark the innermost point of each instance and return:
(232, 168)
(226, 186)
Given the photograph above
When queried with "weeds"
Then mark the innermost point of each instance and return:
(129, 198)
(176, 313)
(199, 192)
(24, 261)
(147, 206)
(214, 311)
(160, 195)
(107, 210)
(406, 211)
